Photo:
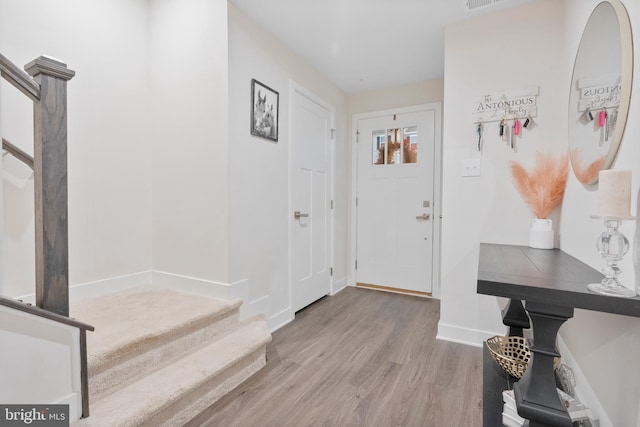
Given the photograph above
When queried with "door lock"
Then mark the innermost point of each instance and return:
(298, 215)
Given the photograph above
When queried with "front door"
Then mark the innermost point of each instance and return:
(311, 250)
(395, 188)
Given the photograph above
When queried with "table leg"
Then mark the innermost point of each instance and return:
(515, 317)
(536, 395)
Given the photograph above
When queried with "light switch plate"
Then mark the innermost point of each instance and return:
(471, 167)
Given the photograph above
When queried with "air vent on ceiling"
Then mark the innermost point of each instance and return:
(477, 4)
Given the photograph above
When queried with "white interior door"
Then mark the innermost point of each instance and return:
(311, 161)
(395, 188)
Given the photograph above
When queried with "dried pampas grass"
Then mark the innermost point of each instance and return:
(542, 188)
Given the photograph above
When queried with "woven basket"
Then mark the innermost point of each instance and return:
(511, 353)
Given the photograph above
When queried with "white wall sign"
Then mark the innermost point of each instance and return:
(507, 105)
(599, 92)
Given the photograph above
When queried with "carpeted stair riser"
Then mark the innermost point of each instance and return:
(165, 356)
(199, 399)
(120, 371)
(178, 392)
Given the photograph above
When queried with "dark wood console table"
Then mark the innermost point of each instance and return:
(551, 283)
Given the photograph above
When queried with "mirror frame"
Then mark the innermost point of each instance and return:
(626, 72)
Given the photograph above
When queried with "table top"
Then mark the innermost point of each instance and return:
(548, 276)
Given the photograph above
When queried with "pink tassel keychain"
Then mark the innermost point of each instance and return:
(602, 117)
(516, 127)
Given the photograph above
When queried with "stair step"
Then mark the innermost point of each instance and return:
(139, 330)
(179, 391)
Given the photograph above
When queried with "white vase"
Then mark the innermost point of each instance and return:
(541, 234)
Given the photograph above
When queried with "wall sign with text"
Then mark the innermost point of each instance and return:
(507, 105)
(599, 92)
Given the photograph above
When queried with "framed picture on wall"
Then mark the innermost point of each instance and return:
(264, 111)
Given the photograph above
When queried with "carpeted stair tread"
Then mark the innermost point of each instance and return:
(129, 322)
(173, 394)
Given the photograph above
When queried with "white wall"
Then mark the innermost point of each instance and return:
(109, 174)
(109, 178)
(18, 186)
(259, 169)
(508, 50)
(422, 92)
(605, 346)
(190, 132)
(534, 44)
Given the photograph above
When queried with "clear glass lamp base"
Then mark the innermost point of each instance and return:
(612, 291)
(613, 246)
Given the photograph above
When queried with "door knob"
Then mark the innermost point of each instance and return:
(424, 217)
(298, 215)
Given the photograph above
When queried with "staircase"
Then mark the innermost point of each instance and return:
(159, 357)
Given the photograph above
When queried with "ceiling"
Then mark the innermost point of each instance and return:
(364, 45)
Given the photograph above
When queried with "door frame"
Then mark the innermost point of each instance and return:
(437, 187)
(294, 88)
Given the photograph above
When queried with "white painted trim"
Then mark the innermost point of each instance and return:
(293, 88)
(280, 319)
(47, 332)
(583, 390)
(437, 184)
(200, 286)
(436, 209)
(111, 285)
(254, 308)
(339, 285)
(75, 407)
(75, 404)
(353, 210)
(102, 287)
(289, 209)
(467, 336)
(163, 279)
(238, 289)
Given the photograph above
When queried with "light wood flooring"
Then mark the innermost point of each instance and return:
(359, 358)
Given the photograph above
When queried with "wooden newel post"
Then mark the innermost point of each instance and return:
(50, 175)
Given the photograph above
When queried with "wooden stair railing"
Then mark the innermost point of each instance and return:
(17, 153)
(45, 83)
(21, 80)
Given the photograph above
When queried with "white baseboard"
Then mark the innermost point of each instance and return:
(583, 390)
(75, 405)
(163, 279)
(155, 278)
(197, 286)
(102, 287)
(280, 319)
(107, 286)
(339, 285)
(473, 337)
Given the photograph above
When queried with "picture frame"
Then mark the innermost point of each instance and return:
(265, 105)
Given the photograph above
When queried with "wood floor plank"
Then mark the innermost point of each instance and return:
(360, 358)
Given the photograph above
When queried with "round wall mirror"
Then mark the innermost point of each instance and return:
(600, 91)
